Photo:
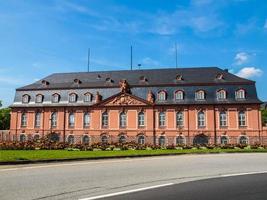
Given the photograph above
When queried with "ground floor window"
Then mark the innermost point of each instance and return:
(71, 139)
(141, 139)
(104, 139)
(162, 141)
(224, 139)
(200, 139)
(243, 140)
(36, 137)
(85, 139)
(22, 138)
(180, 140)
(122, 139)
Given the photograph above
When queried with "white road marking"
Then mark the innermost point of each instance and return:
(244, 173)
(127, 191)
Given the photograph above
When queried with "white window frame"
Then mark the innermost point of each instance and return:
(201, 121)
(71, 119)
(179, 119)
(141, 119)
(162, 119)
(72, 98)
(221, 95)
(162, 96)
(240, 94)
(37, 119)
(24, 119)
(86, 119)
(105, 119)
(223, 118)
(241, 118)
(87, 97)
(123, 119)
(141, 139)
(179, 95)
(200, 95)
(54, 119)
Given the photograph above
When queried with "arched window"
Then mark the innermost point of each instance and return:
(243, 140)
(122, 139)
(123, 119)
(221, 95)
(39, 98)
(25, 98)
(72, 98)
(162, 96)
(240, 94)
(55, 98)
(141, 139)
(85, 139)
(24, 119)
(162, 119)
(104, 139)
(54, 119)
(36, 137)
(141, 119)
(224, 139)
(179, 119)
(180, 140)
(37, 121)
(22, 138)
(86, 119)
(200, 95)
(223, 118)
(201, 119)
(105, 119)
(241, 118)
(71, 139)
(87, 97)
(162, 141)
(179, 95)
(71, 119)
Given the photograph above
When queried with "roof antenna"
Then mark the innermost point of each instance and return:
(176, 65)
(131, 57)
(88, 63)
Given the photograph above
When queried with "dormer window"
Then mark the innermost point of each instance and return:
(55, 98)
(25, 98)
(88, 97)
(219, 76)
(39, 98)
(200, 95)
(179, 77)
(72, 98)
(77, 81)
(45, 83)
(179, 95)
(162, 96)
(240, 94)
(221, 94)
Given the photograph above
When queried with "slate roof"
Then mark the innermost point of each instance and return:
(154, 77)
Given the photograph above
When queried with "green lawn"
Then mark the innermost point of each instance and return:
(34, 155)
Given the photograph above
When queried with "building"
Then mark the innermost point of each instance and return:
(157, 106)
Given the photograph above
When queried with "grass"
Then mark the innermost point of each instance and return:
(44, 155)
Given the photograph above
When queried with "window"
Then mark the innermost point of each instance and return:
(36, 137)
(223, 118)
(162, 96)
(123, 119)
(221, 95)
(242, 118)
(55, 98)
(122, 139)
(240, 94)
(37, 121)
(71, 139)
(71, 119)
(72, 98)
(200, 95)
(104, 139)
(54, 119)
(39, 98)
(105, 119)
(180, 140)
(224, 139)
(179, 95)
(141, 119)
(162, 119)
(22, 138)
(87, 97)
(85, 139)
(201, 119)
(86, 119)
(179, 119)
(23, 119)
(243, 140)
(25, 98)
(141, 139)
(162, 141)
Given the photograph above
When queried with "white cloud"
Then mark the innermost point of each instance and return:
(249, 72)
(149, 62)
(241, 58)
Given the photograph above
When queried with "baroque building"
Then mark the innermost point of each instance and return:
(155, 106)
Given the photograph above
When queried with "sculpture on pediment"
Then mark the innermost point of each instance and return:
(124, 99)
(124, 86)
(150, 97)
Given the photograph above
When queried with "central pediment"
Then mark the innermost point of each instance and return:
(124, 99)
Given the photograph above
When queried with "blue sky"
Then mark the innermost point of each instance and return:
(38, 38)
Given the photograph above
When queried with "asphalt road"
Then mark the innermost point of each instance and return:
(247, 187)
(78, 180)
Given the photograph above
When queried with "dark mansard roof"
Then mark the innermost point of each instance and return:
(189, 80)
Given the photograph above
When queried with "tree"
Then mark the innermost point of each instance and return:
(264, 116)
(4, 117)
